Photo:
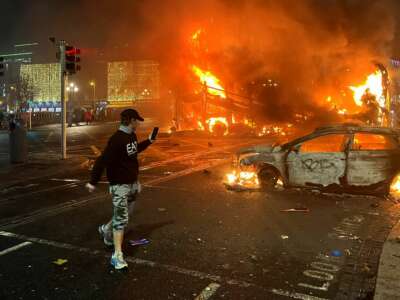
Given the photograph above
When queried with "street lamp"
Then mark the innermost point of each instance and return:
(93, 85)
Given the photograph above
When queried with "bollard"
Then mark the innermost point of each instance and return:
(18, 142)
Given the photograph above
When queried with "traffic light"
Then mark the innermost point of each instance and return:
(2, 66)
(72, 58)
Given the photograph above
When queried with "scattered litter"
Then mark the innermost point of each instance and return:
(207, 172)
(60, 261)
(284, 237)
(199, 240)
(336, 253)
(65, 179)
(347, 252)
(162, 209)
(374, 213)
(167, 173)
(139, 242)
(374, 205)
(300, 209)
(210, 144)
(253, 257)
(366, 268)
(240, 188)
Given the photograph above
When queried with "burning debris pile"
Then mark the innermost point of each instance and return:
(242, 180)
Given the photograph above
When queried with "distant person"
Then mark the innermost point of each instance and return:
(2, 117)
(88, 117)
(119, 158)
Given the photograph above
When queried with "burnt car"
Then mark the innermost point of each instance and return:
(346, 158)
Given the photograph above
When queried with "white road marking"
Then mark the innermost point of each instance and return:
(138, 261)
(208, 291)
(14, 248)
(295, 295)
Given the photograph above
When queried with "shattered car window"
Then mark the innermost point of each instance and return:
(326, 143)
(370, 141)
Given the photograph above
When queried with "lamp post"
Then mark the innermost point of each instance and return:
(93, 85)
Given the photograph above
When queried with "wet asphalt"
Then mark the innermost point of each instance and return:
(242, 243)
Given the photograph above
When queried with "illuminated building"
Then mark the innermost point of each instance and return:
(131, 82)
(44, 80)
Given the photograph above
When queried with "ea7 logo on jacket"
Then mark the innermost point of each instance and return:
(131, 148)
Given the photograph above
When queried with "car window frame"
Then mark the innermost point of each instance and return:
(345, 146)
(394, 137)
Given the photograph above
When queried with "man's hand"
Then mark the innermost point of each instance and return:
(151, 141)
(90, 187)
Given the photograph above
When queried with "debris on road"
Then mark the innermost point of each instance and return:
(162, 209)
(65, 179)
(300, 209)
(254, 257)
(336, 253)
(60, 261)
(206, 172)
(139, 242)
(242, 181)
(284, 237)
(347, 252)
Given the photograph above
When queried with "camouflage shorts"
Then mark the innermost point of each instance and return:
(123, 197)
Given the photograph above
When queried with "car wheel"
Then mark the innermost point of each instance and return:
(268, 178)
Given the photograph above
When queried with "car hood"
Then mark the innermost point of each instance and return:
(269, 148)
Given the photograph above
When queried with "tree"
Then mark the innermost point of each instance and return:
(24, 91)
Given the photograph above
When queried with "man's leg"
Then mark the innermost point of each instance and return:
(120, 195)
(108, 228)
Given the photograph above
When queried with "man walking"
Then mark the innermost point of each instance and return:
(119, 158)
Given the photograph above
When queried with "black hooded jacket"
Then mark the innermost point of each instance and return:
(119, 158)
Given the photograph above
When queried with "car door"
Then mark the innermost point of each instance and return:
(372, 158)
(320, 161)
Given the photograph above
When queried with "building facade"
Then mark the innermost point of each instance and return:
(43, 85)
(132, 82)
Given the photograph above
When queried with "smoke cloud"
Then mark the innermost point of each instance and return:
(312, 48)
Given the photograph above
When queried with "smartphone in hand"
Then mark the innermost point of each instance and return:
(154, 133)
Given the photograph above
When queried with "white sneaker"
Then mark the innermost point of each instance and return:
(117, 260)
(103, 235)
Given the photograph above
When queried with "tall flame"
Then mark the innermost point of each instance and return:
(213, 83)
(212, 122)
(374, 85)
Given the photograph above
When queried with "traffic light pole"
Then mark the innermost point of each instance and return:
(63, 102)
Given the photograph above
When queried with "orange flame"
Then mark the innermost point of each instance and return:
(212, 122)
(213, 83)
(395, 186)
(374, 85)
(196, 35)
(243, 178)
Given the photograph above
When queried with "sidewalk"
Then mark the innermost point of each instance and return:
(388, 280)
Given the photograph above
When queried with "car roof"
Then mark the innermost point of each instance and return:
(350, 128)
(343, 129)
